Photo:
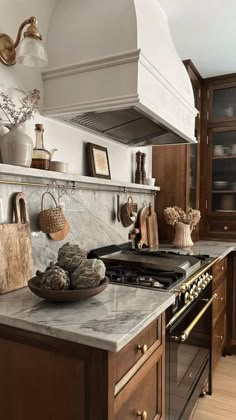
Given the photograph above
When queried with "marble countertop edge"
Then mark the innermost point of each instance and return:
(117, 340)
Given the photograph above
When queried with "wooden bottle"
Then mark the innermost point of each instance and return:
(138, 172)
(143, 170)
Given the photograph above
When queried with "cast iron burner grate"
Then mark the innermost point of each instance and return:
(138, 276)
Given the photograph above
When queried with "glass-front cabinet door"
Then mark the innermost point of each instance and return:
(223, 170)
(222, 102)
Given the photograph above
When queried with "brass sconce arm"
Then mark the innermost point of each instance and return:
(31, 31)
(8, 46)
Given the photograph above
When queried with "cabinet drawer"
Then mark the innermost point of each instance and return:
(226, 227)
(141, 397)
(137, 348)
(219, 272)
(219, 336)
(219, 303)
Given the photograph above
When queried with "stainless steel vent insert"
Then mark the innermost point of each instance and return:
(127, 126)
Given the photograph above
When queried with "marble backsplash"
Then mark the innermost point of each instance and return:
(91, 216)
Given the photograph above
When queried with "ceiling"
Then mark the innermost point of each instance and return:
(205, 32)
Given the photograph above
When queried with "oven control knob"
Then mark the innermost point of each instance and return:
(210, 277)
(186, 297)
(195, 295)
(203, 277)
(199, 283)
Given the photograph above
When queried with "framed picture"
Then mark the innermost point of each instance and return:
(98, 161)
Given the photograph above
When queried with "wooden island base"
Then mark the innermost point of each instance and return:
(46, 378)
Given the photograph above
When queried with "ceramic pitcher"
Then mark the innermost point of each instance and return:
(16, 146)
(182, 236)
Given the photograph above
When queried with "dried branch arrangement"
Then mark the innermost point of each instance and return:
(23, 109)
(176, 214)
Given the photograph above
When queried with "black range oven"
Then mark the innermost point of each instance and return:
(188, 328)
(188, 352)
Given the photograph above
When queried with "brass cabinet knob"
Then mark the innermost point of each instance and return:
(222, 268)
(220, 337)
(143, 348)
(225, 227)
(143, 415)
(220, 299)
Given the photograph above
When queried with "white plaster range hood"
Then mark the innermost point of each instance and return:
(114, 70)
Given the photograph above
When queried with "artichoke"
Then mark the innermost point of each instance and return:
(55, 278)
(71, 256)
(90, 275)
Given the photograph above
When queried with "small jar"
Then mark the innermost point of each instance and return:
(41, 156)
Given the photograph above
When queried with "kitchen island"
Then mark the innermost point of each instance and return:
(100, 359)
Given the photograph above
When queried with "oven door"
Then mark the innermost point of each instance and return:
(188, 354)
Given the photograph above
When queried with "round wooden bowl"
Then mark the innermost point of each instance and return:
(65, 295)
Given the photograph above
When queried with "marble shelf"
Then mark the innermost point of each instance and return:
(18, 171)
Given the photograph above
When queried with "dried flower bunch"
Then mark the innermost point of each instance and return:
(176, 214)
(27, 104)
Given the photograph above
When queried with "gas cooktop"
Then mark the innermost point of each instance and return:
(147, 268)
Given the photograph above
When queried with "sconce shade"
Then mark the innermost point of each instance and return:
(31, 53)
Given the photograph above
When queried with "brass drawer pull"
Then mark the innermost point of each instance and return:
(220, 299)
(143, 348)
(143, 415)
(220, 337)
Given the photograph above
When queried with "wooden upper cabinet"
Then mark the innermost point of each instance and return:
(218, 147)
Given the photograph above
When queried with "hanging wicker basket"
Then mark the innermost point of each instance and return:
(51, 220)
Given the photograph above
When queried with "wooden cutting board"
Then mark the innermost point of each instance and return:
(152, 228)
(142, 225)
(15, 248)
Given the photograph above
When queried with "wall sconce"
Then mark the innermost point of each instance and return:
(29, 52)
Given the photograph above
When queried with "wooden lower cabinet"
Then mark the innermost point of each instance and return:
(52, 379)
(231, 305)
(139, 398)
(219, 272)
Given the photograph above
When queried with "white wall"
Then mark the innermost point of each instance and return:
(70, 141)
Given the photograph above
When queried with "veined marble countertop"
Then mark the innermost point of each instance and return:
(107, 321)
(213, 248)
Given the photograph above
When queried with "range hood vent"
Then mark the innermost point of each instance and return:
(121, 76)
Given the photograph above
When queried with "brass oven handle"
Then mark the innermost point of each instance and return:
(185, 334)
(142, 415)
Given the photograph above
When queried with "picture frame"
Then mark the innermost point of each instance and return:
(98, 160)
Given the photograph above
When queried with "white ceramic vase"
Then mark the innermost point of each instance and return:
(16, 146)
(182, 237)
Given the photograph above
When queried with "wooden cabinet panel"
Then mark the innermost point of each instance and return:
(136, 349)
(219, 303)
(233, 301)
(142, 394)
(37, 384)
(219, 337)
(219, 272)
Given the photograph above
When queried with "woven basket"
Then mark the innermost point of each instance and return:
(127, 211)
(51, 220)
